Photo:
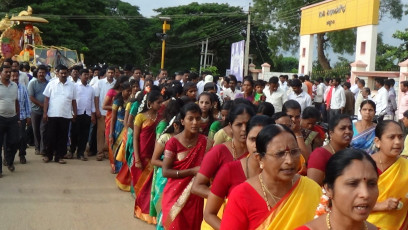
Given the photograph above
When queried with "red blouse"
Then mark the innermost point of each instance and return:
(318, 159)
(214, 159)
(228, 177)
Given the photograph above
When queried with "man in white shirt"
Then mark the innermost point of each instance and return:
(22, 78)
(319, 97)
(338, 99)
(59, 108)
(95, 77)
(283, 83)
(200, 87)
(231, 92)
(101, 90)
(86, 115)
(137, 75)
(381, 99)
(392, 103)
(404, 99)
(303, 98)
(275, 95)
(74, 78)
(161, 77)
(359, 98)
(354, 88)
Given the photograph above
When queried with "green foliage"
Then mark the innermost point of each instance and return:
(212, 69)
(285, 64)
(282, 21)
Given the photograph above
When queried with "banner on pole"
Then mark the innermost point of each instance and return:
(237, 59)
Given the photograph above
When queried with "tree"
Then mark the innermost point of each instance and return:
(106, 35)
(282, 20)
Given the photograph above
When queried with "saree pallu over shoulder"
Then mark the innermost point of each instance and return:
(392, 183)
(364, 140)
(181, 209)
(296, 208)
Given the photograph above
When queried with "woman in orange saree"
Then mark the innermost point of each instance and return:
(182, 158)
(144, 138)
(277, 198)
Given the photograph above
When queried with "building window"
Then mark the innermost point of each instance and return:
(303, 69)
(363, 48)
(303, 52)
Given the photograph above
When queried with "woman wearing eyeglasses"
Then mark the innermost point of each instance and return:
(278, 197)
(340, 134)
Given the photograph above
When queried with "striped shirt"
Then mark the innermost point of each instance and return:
(25, 110)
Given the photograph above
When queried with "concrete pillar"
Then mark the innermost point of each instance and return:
(266, 68)
(358, 66)
(306, 54)
(366, 45)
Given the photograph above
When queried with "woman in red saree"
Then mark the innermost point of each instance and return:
(144, 138)
(107, 105)
(182, 159)
(234, 173)
(277, 198)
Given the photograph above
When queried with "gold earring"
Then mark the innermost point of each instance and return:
(261, 165)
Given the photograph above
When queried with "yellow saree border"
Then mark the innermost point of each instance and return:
(391, 184)
(145, 217)
(121, 186)
(291, 211)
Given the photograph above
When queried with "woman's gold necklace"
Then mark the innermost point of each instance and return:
(331, 147)
(234, 152)
(266, 190)
(330, 227)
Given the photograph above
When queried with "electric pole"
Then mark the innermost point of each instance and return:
(246, 64)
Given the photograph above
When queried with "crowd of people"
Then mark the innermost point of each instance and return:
(208, 152)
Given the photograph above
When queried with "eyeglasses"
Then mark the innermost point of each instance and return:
(282, 154)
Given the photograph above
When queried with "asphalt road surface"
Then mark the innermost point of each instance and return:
(78, 195)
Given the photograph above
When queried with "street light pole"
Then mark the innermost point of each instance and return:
(165, 28)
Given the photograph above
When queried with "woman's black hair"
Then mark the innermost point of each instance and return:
(278, 115)
(215, 98)
(188, 86)
(148, 80)
(267, 134)
(175, 89)
(334, 121)
(266, 108)
(381, 126)
(176, 121)
(291, 104)
(210, 111)
(189, 107)
(311, 112)
(152, 96)
(238, 110)
(119, 97)
(210, 86)
(259, 120)
(405, 114)
(341, 160)
(372, 103)
(172, 109)
(250, 81)
(119, 82)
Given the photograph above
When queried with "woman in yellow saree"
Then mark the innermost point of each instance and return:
(277, 198)
(391, 209)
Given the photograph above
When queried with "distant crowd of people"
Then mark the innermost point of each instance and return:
(198, 151)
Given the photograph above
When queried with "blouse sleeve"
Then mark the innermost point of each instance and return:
(318, 159)
(210, 164)
(128, 106)
(134, 108)
(170, 149)
(235, 214)
(140, 118)
(405, 151)
(160, 128)
(220, 185)
(115, 105)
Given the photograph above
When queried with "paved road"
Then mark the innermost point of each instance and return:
(78, 195)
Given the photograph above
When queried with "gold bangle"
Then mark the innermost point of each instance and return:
(299, 136)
